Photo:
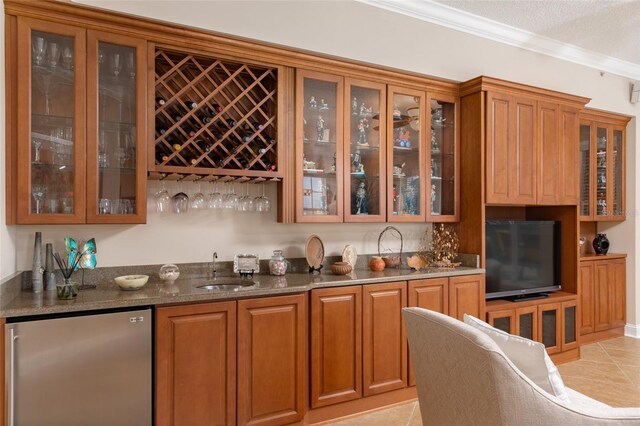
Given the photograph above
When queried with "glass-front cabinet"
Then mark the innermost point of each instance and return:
(76, 92)
(443, 162)
(602, 168)
(364, 159)
(406, 155)
(319, 103)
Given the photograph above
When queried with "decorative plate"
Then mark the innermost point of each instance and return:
(350, 256)
(314, 251)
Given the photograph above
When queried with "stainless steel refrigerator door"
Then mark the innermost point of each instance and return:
(84, 370)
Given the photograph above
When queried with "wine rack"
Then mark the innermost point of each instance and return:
(214, 117)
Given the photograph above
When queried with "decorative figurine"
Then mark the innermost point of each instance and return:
(354, 106)
(323, 105)
(356, 163)
(362, 134)
(434, 142)
(364, 111)
(433, 196)
(312, 102)
(308, 165)
(397, 115)
(333, 166)
(436, 116)
(361, 199)
(320, 128)
(403, 138)
(397, 170)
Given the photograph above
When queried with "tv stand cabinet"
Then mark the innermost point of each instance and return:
(552, 321)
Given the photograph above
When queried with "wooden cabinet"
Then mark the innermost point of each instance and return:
(602, 165)
(195, 365)
(522, 321)
(72, 167)
(384, 341)
(602, 293)
(336, 345)
(550, 326)
(466, 296)
(272, 366)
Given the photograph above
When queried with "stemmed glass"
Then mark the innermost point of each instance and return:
(38, 192)
(162, 198)
(180, 201)
(131, 65)
(197, 201)
(37, 146)
(262, 202)
(67, 57)
(230, 199)
(245, 203)
(39, 47)
(53, 54)
(214, 199)
(115, 63)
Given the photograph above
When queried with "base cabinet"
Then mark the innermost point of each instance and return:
(196, 364)
(466, 296)
(602, 294)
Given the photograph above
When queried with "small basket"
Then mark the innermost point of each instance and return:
(391, 261)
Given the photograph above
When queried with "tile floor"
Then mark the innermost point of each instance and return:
(608, 371)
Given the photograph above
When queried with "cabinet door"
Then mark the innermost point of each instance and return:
(428, 294)
(443, 160)
(603, 296)
(523, 159)
(336, 345)
(196, 364)
(617, 275)
(466, 296)
(570, 156)
(499, 127)
(587, 298)
(569, 325)
(272, 342)
(51, 123)
(603, 173)
(617, 170)
(527, 322)
(365, 152)
(550, 150)
(549, 326)
(384, 342)
(116, 128)
(406, 155)
(319, 159)
(587, 167)
(503, 320)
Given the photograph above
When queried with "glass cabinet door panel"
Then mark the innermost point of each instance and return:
(617, 160)
(405, 162)
(117, 80)
(585, 171)
(320, 105)
(602, 154)
(365, 120)
(442, 167)
(51, 139)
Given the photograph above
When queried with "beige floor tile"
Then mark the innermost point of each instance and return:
(416, 418)
(594, 352)
(615, 395)
(394, 416)
(625, 356)
(623, 343)
(632, 372)
(598, 371)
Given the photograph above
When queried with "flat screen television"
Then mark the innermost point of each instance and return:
(522, 258)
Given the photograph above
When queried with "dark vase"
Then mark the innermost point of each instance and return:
(601, 244)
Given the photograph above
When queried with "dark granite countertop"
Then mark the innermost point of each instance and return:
(108, 295)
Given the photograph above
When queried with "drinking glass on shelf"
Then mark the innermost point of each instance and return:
(39, 47)
(197, 201)
(115, 63)
(104, 206)
(67, 57)
(38, 192)
(162, 198)
(131, 65)
(115, 206)
(53, 54)
(262, 202)
(214, 199)
(37, 146)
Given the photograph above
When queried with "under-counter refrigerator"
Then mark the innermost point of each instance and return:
(87, 369)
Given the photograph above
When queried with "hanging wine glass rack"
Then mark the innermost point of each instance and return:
(214, 117)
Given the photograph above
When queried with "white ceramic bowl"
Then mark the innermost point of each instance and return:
(131, 282)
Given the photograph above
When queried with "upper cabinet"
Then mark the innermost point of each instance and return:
(371, 152)
(602, 165)
(79, 145)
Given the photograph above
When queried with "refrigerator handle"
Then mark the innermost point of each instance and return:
(11, 390)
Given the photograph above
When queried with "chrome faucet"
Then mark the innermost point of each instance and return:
(213, 271)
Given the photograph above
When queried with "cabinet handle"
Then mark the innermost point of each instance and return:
(11, 402)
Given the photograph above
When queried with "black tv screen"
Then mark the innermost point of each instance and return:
(522, 257)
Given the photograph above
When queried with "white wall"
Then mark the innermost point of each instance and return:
(361, 32)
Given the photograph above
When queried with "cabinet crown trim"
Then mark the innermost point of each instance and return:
(592, 114)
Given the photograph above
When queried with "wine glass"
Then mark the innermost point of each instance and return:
(214, 199)
(180, 201)
(246, 203)
(39, 47)
(131, 65)
(162, 198)
(197, 201)
(37, 146)
(115, 62)
(262, 202)
(230, 199)
(67, 57)
(53, 54)
(38, 192)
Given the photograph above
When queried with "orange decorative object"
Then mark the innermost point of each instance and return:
(376, 264)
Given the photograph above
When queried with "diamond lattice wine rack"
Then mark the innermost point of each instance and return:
(214, 117)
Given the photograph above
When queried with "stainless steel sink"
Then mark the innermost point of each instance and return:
(227, 284)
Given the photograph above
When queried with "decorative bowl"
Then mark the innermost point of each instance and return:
(341, 268)
(131, 282)
(169, 273)
(391, 261)
(376, 264)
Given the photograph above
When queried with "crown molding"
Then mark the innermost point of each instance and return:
(440, 14)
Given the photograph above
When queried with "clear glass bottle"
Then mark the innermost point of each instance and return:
(277, 264)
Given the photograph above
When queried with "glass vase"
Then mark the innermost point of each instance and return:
(67, 290)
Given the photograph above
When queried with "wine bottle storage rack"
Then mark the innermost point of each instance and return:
(214, 117)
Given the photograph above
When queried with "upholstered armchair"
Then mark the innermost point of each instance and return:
(464, 378)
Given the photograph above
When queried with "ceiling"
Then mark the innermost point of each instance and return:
(603, 34)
